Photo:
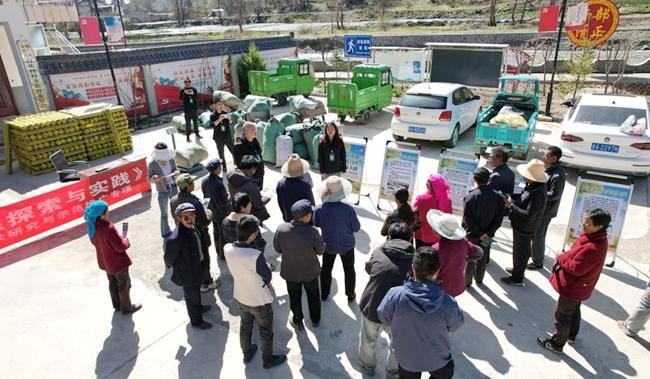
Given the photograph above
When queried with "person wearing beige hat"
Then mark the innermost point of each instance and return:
(455, 251)
(526, 213)
(292, 187)
(338, 222)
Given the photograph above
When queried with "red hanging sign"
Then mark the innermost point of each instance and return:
(90, 33)
(548, 17)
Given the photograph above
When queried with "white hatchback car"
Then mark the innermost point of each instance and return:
(591, 136)
(435, 112)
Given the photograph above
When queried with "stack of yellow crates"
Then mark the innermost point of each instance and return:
(96, 122)
(35, 137)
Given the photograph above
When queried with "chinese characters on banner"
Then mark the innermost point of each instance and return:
(82, 88)
(611, 197)
(206, 74)
(38, 214)
(400, 170)
(355, 153)
(458, 171)
(601, 22)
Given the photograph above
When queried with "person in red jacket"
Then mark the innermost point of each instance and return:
(111, 255)
(574, 277)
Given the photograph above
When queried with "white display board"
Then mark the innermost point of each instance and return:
(458, 170)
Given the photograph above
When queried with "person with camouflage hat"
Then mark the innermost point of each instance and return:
(185, 184)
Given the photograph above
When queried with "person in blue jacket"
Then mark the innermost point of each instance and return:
(421, 316)
(338, 222)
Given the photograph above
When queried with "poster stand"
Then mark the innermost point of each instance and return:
(365, 150)
(403, 148)
(623, 184)
(457, 167)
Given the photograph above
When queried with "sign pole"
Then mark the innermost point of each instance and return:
(549, 98)
(102, 30)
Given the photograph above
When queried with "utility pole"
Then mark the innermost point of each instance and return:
(102, 30)
(549, 98)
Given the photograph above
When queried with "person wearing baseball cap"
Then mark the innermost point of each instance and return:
(190, 98)
(292, 187)
(219, 205)
(186, 251)
(300, 245)
(186, 185)
(526, 213)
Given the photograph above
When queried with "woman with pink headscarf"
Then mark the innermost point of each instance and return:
(436, 197)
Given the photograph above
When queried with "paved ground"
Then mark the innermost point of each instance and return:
(60, 322)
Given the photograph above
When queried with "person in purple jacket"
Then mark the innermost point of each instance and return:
(338, 222)
(421, 316)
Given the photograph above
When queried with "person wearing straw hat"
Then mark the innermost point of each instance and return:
(526, 213)
(455, 250)
(111, 247)
(162, 171)
(292, 187)
(338, 222)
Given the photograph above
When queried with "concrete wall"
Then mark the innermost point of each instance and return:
(12, 17)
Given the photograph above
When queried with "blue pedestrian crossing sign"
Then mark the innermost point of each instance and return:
(357, 46)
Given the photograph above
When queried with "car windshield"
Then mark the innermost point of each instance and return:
(606, 116)
(524, 87)
(421, 100)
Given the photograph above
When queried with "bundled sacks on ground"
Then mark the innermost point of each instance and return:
(204, 119)
(315, 141)
(288, 118)
(190, 154)
(271, 132)
(303, 135)
(260, 110)
(228, 99)
(306, 107)
(250, 99)
(283, 149)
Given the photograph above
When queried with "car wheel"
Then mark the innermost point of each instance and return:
(451, 142)
(397, 138)
(306, 95)
(282, 99)
(483, 152)
(480, 109)
(341, 117)
(365, 115)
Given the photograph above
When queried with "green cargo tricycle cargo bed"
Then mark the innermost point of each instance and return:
(294, 76)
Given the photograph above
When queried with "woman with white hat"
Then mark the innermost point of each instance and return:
(338, 222)
(292, 187)
(455, 250)
(162, 171)
(526, 213)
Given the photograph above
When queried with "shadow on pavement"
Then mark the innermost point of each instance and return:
(464, 346)
(120, 349)
(206, 352)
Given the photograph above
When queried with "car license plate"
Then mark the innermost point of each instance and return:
(604, 147)
(413, 129)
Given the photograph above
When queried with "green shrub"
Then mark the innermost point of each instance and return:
(249, 61)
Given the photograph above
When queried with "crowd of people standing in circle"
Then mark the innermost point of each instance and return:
(429, 257)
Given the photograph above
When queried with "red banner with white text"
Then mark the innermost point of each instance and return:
(35, 215)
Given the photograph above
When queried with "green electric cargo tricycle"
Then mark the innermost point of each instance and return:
(371, 90)
(294, 76)
(511, 118)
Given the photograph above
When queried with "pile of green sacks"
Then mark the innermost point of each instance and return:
(303, 136)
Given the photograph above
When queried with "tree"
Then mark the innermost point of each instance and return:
(581, 65)
(523, 12)
(493, 11)
(241, 11)
(337, 62)
(514, 9)
(249, 61)
(383, 17)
